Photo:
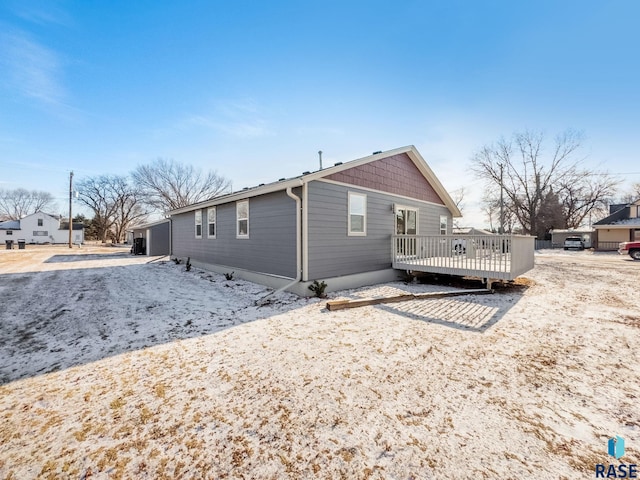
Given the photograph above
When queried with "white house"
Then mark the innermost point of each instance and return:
(40, 227)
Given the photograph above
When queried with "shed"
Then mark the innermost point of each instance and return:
(156, 235)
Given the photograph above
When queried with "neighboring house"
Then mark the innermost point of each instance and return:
(40, 227)
(559, 236)
(622, 225)
(335, 224)
(156, 235)
(10, 230)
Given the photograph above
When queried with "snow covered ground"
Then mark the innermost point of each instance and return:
(116, 366)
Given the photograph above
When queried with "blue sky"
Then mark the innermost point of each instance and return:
(255, 89)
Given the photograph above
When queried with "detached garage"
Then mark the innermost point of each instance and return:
(152, 239)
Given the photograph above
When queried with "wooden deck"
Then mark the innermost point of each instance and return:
(494, 257)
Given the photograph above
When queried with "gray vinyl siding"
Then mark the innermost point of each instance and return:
(334, 253)
(159, 244)
(159, 239)
(270, 247)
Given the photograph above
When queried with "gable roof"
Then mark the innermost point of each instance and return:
(147, 225)
(283, 184)
(10, 225)
(620, 218)
(55, 217)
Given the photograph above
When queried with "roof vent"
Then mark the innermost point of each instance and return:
(261, 185)
(306, 173)
(375, 153)
(281, 179)
(337, 163)
(245, 188)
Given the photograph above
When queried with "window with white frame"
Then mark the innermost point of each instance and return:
(443, 224)
(211, 222)
(9, 232)
(242, 219)
(357, 214)
(40, 222)
(198, 223)
(406, 220)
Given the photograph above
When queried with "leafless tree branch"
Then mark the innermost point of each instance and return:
(544, 188)
(16, 204)
(167, 185)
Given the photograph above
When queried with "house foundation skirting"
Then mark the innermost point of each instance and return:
(266, 279)
(302, 288)
(350, 281)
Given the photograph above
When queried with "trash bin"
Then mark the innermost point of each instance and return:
(9, 244)
(21, 244)
(139, 246)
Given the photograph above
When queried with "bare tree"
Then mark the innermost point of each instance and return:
(114, 202)
(491, 208)
(533, 177)
(584, 193)
(16, 204)
(129, 208)
(167, 185)
(632, 195)
(95, 193)
(457, 196)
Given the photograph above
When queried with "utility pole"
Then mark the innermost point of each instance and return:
(501, 200)
(70, 198)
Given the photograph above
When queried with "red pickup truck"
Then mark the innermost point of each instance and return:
(631, 248)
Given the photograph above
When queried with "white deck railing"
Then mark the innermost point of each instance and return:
(501, 257)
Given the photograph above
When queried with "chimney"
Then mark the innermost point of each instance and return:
(320, 157)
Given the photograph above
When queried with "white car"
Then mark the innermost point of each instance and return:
(573, 242)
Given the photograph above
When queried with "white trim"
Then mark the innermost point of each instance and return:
(351, 186)
(351, 233)
(196, 223)
(215, 222)
(446, 224)
(410, 150)
(305, 232)
(396, 207)
(616, 227)
(238, 234)
(142, 226)
(242, 195)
